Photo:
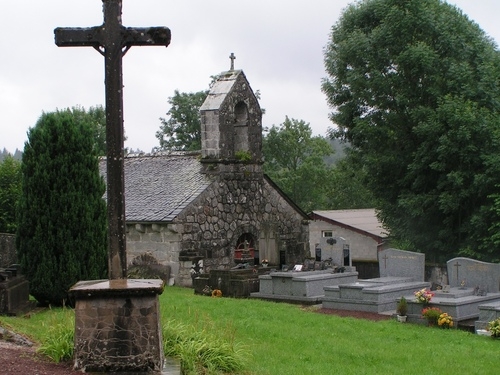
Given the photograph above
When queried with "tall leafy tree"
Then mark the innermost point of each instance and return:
(348, 184)
(414, 86)
(96, 119)
(294, 159)
(181, 130)
(61, 234)
(10, 190)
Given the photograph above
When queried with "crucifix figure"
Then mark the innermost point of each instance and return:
(232, 57)
(112, 40)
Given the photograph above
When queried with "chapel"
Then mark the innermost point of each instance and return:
(193, 212)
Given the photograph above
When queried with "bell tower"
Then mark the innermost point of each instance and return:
(231, 121)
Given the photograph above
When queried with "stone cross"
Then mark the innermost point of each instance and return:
(232, 57)
(385, 260)
(112, 40)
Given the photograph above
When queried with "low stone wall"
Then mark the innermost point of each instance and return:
(8, 255)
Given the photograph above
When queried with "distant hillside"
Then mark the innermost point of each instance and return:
(339, 151)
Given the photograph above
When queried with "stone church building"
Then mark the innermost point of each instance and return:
(195, 212)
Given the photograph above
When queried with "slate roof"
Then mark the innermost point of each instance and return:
(359, 219)
(220, 89)
(158, 187)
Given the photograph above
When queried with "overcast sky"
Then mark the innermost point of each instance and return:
(278, 43)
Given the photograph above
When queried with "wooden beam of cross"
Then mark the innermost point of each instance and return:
(113, 40)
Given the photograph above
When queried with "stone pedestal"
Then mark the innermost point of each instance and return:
(117, 325)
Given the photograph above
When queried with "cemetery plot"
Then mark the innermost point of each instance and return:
(473, 287)
(401, 273)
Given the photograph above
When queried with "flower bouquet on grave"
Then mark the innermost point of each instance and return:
(423, 296)
(445, 321)
(432, 315)
(264, 262)
(494, 328)
(216, 293)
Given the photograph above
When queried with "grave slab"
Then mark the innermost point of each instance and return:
(487, 312)
(401, 272)
(378, 295)
(464, 306)
(300, 287)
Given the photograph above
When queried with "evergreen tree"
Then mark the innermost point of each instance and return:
(61, 234)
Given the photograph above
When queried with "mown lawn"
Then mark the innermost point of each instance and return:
(278, 338)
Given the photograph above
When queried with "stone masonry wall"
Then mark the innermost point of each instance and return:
(240, 201)
(159, 241)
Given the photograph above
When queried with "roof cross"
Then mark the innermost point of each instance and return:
(112, 40)
(232, 57)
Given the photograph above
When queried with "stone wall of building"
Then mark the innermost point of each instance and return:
(160, 243)
(239, 202)
(8, 255)
(205, 233)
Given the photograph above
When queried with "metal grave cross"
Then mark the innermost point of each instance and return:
(112, 40)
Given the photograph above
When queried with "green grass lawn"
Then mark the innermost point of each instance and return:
(278, 338)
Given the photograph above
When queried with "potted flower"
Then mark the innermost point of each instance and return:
(216, 293)
(402, 309)
(264, 263)
(445, 321)
(432, 315)
(423, 296)
(494, 328)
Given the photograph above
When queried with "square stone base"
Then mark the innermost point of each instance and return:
(117, 325)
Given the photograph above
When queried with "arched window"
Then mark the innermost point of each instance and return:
(241, 113)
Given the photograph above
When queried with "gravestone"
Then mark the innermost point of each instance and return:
(400, 263)
(14, 291)
(470, 273)
(129, 337)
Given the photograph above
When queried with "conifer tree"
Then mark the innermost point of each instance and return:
(61, 235)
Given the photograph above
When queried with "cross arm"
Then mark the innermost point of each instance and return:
(78, 36)
(146, 36)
